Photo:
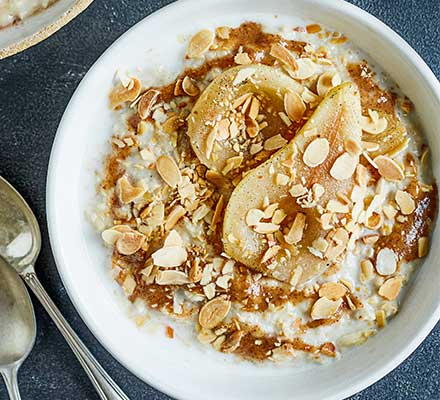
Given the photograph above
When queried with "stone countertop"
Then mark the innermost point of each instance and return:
(35, 87)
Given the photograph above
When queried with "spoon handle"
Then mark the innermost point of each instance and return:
(10, 377)
(104, 385)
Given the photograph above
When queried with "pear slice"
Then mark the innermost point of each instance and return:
(337, 121)
(238, 86)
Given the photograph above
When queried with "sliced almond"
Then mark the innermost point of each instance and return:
(174, 216)
(206, 336)
(324, 308)
(389, 169)
(189, 87)
(171, 278)
(344, 166)
(254, 108)
(361, 175)
(278, 217)
(210, 140)
(270, 253)
(128, 192)
(370, 146)
(252, 128)
(296, 231)
(223, 32)
(214, 312)
(386, 262)
(284, 55)
(294, 106)
(242, 59)
(173, 239)
(335, 206)
(306, 69)
(223, 129)
(352, 146)
(326, 81)
(332, 290)
(231, 164)
(405, 201)
(239, 101)
(374, 221)
(200, 43)
(423, 246)
(367, 270)
(232, 342)
(147, 101)
(168, 170)
(129, 285)
(298, 190)
(254, 216)
(170, 256)
(373, 124)
(218, 211)
(391, 288)
(316, 152)
(309, 97)
(129, 243)
(381, 318)
(282, 179)
(266, 227)
(123, 94)
(274, 143)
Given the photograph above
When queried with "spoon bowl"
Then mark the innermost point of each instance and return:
(17, 326)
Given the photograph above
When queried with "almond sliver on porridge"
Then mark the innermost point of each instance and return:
(274, 198)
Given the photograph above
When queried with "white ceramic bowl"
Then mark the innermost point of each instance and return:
(37, 27)
(182, 370)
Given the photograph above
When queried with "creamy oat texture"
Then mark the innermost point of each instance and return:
(276, 196)
(16, 10)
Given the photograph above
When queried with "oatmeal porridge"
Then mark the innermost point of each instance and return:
(276, 196)
(12, 11)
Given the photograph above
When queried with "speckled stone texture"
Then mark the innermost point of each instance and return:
(35, 87)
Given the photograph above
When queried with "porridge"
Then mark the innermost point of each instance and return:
(276, 196)
(12, 11)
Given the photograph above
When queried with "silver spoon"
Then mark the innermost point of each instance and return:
(17, 326)
(20, 243)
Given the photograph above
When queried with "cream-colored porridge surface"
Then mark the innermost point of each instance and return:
(17, 10)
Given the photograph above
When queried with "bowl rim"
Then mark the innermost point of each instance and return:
(351, 11)
(77, 8)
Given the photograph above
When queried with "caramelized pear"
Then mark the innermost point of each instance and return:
(240, 107)
(284, 228)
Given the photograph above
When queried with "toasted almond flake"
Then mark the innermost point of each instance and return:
(278, 217)
(243, 75)
(370, 146)
(252, 128)
(223, 32)
(231, 164)
(297, 190)
(335, 206)
(326, 81)
(320, 244)
(344, 166)
(296, 231)
(196, 271)
(172, 124)
(147, 101)
(284, 55)
(391, 288)
(281, 179)
(173, 239)
(356, 338)
(423, 246)
(266, 227)
(324, 308)
(352, 146)
(128, 192)
(389, 169)
(189, 87)
(308, 96)
(200, 43)
(332, 290)
(223, 281)
(405, 201)
(254, 216)
(214, 312)
(373, 124)
(296, 276)
(270, 253)
(170, 256)
(325, 220)
(210, 140)
(317, 190)
(110, 236)
(223, 129)
(381, 318)
(254, 108)
(361, 175)
(209, 290)
(306, 69)
(242, 59)
(171, 277)
(294, 106)
(123, 94)
(218, 211)
(174, 216)
(274, 143)
(206, 336)
(129, 285)
(367, 270)
(374, 221)
(232, 342)
(316, 152)
(270, 209)
(386, 262)
(241, 100)
(285, 118)
(129, 243)
(168, 170)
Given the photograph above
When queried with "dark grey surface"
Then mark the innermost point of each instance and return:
(35, 87)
